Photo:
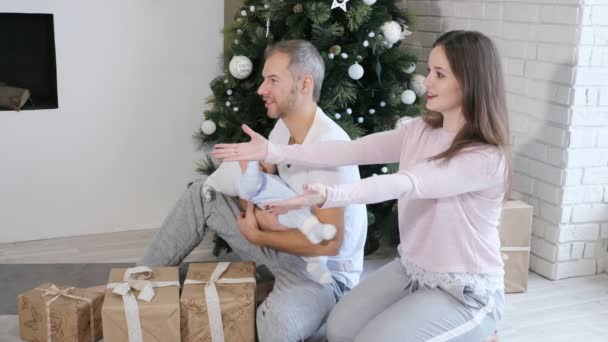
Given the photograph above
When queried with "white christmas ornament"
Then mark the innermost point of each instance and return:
(360, 120)
(252, 8)
(240, 67)
(229, 92)
(384, 169)
(417, 85)
(372, 111)
(266, 6)
(228, 104)
(371, 34)
(236, 109)
(338, 116)
(330, 56)
(410, 69)
(369, 2)
(349, 111)
(408, 97)
(244, 13)
(344, 55)
(365, 43)
(355, 71)
(391, 31)
(208, 127)
(382, 104)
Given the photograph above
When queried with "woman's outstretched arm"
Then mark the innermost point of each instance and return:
(379, 148)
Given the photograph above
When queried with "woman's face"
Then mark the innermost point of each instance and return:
(443, 91)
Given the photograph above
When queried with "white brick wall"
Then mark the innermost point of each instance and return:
(555, 59)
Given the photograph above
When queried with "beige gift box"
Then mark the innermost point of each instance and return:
(515, 230)
(159, 318)
(60, 313)
(232, 312)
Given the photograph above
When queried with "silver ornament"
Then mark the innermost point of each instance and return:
(208, 127)
(408, 97)
(240, 67)
(355, 71)
(417, 85)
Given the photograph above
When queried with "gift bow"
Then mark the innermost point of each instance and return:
(54, 291)
(136, 278)
(214, 312)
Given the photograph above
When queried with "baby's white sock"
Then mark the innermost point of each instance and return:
(316, 231)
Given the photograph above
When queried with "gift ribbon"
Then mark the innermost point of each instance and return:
(136, 278)
(504, 255)
(54, 291)
(214, 312)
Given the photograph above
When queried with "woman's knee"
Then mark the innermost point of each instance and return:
(338, 327)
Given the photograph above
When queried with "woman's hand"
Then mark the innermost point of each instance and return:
(255, 149)
(314, 195)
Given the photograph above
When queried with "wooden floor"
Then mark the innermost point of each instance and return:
(573, 309)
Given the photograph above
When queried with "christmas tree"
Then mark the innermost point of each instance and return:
(369, 79)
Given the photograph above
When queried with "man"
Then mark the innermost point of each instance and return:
(297, 306)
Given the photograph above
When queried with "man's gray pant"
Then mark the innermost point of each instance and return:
(296, 307)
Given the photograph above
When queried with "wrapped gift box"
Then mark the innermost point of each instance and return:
(219, 299)
(60, 313)
(515, 230)
(153, 320)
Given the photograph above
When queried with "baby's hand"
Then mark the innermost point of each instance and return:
(314, 195)
(268, 221)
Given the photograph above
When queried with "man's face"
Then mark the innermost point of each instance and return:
(279, 89)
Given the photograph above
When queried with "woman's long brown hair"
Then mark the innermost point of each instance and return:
(475, 62)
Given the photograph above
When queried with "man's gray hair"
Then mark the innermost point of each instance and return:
(304, 59)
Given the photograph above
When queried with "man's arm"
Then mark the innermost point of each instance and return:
(292, 240)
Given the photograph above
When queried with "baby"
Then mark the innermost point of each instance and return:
(261, 188)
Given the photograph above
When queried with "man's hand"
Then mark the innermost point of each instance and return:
(255, 149)
(248, 224)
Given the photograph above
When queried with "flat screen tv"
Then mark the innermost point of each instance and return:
(27, 57)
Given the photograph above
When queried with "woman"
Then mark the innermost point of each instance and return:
(454, 173)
